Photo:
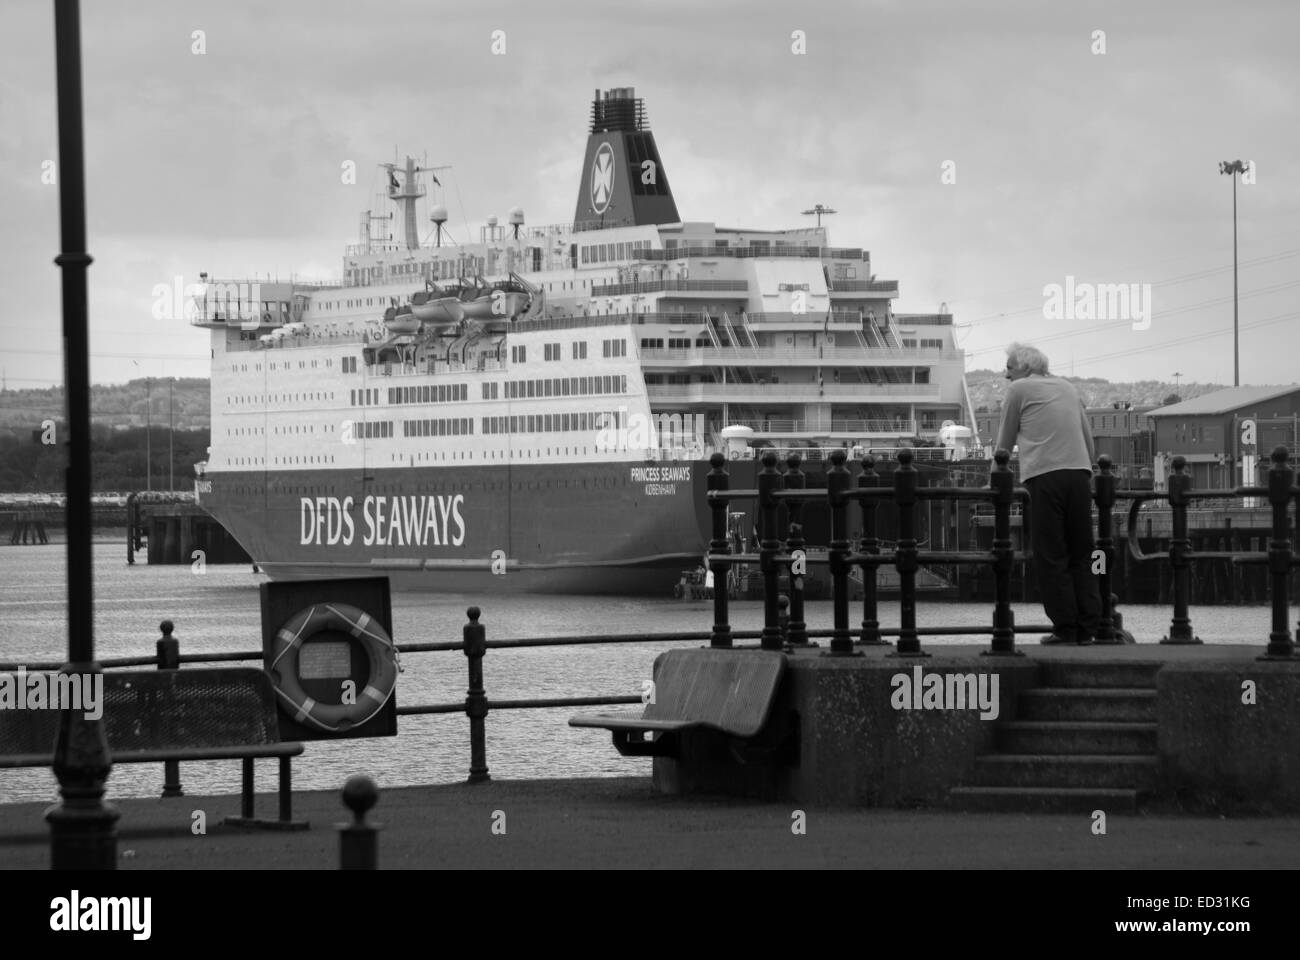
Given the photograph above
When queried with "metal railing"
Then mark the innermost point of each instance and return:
(776, 354)
(741, 252)
(776, 425)
(1280, 492)
(777, 553)
(667, 286)
(863, 286)
(473, 644)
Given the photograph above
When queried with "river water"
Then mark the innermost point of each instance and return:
(219, 610)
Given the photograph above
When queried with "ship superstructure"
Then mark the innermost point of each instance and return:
(539, 404)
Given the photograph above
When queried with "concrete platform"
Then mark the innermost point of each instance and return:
(624, 824)
(1203, 727)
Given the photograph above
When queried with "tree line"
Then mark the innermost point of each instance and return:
(35, 462)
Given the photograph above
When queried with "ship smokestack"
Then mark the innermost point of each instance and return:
(623, 181)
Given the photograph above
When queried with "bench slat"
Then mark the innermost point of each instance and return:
(608, 721)
(727, 690)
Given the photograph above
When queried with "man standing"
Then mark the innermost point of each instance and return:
(1045, 415)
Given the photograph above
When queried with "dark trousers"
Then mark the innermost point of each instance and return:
(1060, 505)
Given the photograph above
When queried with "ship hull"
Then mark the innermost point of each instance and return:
(590, 528)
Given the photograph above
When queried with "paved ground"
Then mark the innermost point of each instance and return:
(622, 823)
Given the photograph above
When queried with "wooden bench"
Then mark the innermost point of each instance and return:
(730, 692)
(153, 716)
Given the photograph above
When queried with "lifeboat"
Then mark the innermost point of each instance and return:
(401, 320)
(494, 302)
(435, 306)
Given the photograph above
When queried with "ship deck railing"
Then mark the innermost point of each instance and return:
(814, 427)
(769, 355)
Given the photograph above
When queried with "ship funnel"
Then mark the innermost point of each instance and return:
(623, 182)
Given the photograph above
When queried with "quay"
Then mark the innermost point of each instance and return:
(622, 823)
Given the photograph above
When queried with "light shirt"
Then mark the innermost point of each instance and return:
(1046, 417)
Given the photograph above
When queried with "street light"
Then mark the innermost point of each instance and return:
(1232, 168)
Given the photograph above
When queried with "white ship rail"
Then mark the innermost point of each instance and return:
(835, 320)
(863, 286)
(775, 251)
(779, 392)
(817, 453)
(606, 320)
(669, 286)
(731, 356)
(814, 428)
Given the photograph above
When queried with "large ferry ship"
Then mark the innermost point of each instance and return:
(535, 411)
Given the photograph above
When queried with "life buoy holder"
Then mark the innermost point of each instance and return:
(384, 666)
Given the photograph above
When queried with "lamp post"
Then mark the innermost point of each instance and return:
(82, 834)
(1232, 168)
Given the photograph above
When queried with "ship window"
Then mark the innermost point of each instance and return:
(532, 388)
(546, 386)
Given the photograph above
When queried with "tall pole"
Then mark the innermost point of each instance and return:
(148, 433)
(1236, 368)
(171, 462)
(1232, 168)
(82, 834)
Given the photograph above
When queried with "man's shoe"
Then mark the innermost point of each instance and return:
(1057, 638)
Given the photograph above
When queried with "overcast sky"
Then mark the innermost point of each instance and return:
(1067, 162)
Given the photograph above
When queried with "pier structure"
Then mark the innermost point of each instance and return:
(172, 530)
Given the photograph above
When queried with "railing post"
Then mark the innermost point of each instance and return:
(869, 479)
(1002, 483)
(837, 484)
(1180, 628)
(769, 481)
(474, 644)
(719, 547)
(797, 633)
(1281, 479)
(909, 643)
(358, 840)
(169, 658)
(1104, 497)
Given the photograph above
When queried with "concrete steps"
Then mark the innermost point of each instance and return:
(1095, 737)
(1083, 741)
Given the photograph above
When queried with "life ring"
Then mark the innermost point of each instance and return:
(334, 718)
(266, 318)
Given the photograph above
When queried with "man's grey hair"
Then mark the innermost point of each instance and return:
(1024, 357)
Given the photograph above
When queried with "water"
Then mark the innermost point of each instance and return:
(219, 611)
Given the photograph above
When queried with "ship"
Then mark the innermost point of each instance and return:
(535, 411)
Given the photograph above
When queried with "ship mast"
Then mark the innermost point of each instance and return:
(407, 192)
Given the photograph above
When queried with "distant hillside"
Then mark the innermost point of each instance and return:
(116, 406)
(987, 387)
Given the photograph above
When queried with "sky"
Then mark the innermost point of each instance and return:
(981, 152)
